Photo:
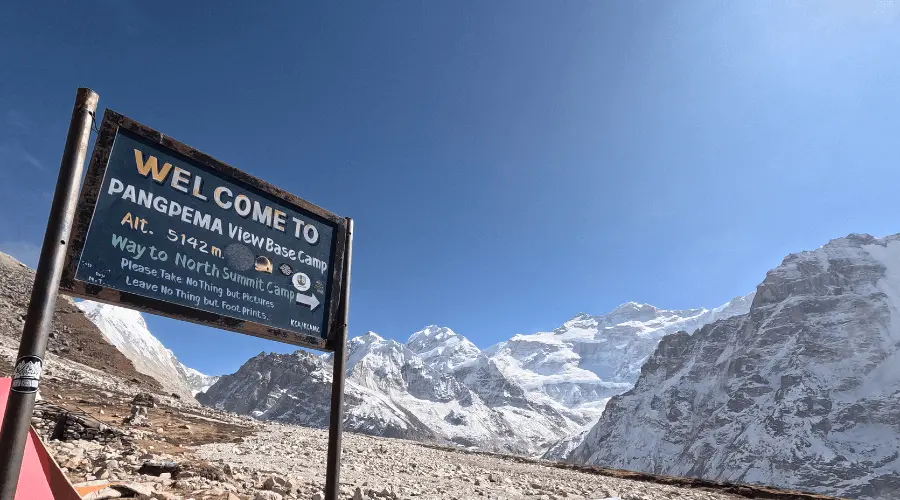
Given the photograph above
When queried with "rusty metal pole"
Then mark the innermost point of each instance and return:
(30, 360)
(336, 423)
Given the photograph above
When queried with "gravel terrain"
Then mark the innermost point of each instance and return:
(393, 468)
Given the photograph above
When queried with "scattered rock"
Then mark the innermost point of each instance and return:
(158, 468)
(144, 399)
(267, 495)
(138, 416)
(274, 481)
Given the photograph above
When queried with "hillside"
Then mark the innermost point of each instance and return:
(801, 392)
(72, 334)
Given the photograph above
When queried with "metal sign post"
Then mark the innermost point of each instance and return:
(336, 422)
(30, 359)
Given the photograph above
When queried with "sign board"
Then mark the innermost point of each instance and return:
(168, 230)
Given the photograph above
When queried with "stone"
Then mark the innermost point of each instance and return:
(159, 467)
(137, 489)
(267, 495)
(106, 493)
(138, 416)
(274, 481)
(144, 399)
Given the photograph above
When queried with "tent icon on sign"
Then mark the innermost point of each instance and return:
(263, 264)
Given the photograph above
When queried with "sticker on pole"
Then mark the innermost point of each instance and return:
(27, 375)
(168, 230)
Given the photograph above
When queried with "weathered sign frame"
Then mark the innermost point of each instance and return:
(112, 123)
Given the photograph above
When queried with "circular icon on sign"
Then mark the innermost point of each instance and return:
(239, 257)
(285, 269)
(301, 282)
(263, 264)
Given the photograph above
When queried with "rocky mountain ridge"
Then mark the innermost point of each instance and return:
(800, 392)
(522, 396)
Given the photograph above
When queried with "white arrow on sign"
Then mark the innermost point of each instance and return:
(308, 300)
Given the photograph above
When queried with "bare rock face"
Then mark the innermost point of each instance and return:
(252, 389)
(72, 335)
(801, 392)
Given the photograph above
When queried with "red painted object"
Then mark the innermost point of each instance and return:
(40, 478)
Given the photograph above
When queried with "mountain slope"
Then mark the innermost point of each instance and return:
(198, 382)
(126, 329)
(72, 335)
(392, 391)
(523, 396)
(800, 392)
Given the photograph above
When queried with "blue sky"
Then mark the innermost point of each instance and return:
(508, 164)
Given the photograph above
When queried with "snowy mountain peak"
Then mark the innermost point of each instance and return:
(632, 308)
(128, 332)
(112, 314)
(373, 353)
(369, 337)
(358, 346)
(442, 348)
(432, 333)
(197, 381)
(580, 320)
(630, 312)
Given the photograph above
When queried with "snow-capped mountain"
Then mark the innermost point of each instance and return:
(442, 348)
(801, 392)
(581, 364)
(392, 391)
(127, 331)
(198, 382)
(524, 395)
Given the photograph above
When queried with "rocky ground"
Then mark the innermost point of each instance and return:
(394, 469)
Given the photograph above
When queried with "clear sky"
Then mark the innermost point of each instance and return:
(508, 163)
